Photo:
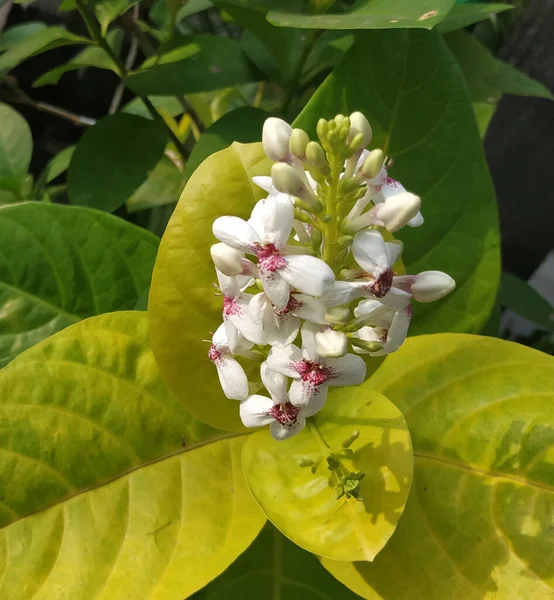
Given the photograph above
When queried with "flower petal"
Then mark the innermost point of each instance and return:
(228, 285)
(265, 182)
(254, 411)
(416, 221)
(309, 331)
(277, 215)
(232, 334)
(315, 404)
(396, 299)
(232, 378)
(394, 250)
(398, 332)
(236, 233)
(343, 292)
(370, 252)
(308, 274)
(276, 288)
(220, 339)
(282, 432)
(350, 369)
(283, 360)
(311, 309)
(241, 319)
(304, 393)
(275, 383)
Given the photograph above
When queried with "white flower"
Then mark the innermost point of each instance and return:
(229, 261)
(312, 375)
(275, 139)
(266, 235)
(281, 326)
(426, 286)
(330, 343)
(395, 212)
(389, 326)
(376, 257)
(231, 375)
(284, 418)
(236, 317)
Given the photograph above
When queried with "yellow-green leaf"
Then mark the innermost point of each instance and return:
(182, 307)
(109, 489)
(479, 522)
(302, 504)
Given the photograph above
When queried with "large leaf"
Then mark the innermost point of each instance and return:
(274, 567)
(487, 77)
(39, 41)
(370, 14)
(302, 504)
(16, 148)
(416, 100)
(112, 160)
(240, 125)
(15, 34)
(518, 296)
(60, 264)
(110, 489)
(463, 15)
(182, 307)
(479, 519)
(199, 63)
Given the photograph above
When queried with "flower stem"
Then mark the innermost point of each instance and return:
(330, 234)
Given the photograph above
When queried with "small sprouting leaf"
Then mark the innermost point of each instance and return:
(313, 509)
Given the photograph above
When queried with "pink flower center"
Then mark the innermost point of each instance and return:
(393, 183)
(231, 306)
(381, 285)
(314, 373)
(285, 414)
(269, 258)
(214, 354)
(294, 304)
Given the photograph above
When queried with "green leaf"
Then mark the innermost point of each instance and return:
(16, 148)
(182, 307)
(303, 504)
(89, 57)
(113, 158)
(110, 486)
(518, 296)
(36, 43)
(487, 77)
(369, 14)
(478, 522)
(15, 34)
(108, 11)
(463, 15)
(192, 7)
(59, 164)
(484, 112)
(167, 104)
(274, 567)
(163, 186)
(197, 63)
(61, 264)
(240, 125)
(416, 100)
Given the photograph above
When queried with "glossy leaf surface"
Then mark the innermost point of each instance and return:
(274, 567)
(437, 155)
(182, 307)
(370, 14)
(15, 34)
(463, 15)
(61, 264)
(478, 522)
(303, 504)
(199, 63)
(521, 298)
(487, 77)
(117, 479)
(16, 147)
(132, 143)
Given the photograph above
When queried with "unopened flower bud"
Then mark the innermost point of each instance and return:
(373, 164)
(345, 240)
(350, 440)
(396, 211)
(316, 156)
(275, 138)
(356, 143)
(322, 129)
(286, 179)
(367, 346)
(432, 285)
(331, 344)
(360, 125)
(298, 141)
(227, 259)
(339, 315)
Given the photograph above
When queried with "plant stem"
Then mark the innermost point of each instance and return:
(96, 34)
(133, 48)
(330, 234)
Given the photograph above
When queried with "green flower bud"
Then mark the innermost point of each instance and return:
(301, 216)
(350, 440)
(345, 241)
(316, 156)
(359, 125)
(373, 164)
(356, 143)
(369, 346)
(305, 462)
(316, 238)
(287, 179)
(340, 315)
(298, 141)
(322, 129)
(332, 463)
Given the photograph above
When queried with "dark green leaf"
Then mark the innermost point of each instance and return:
(17, 33)
(370, 14)
(168, 104)
(59, 164)
(241, 125)
(463, 15)
(484, 112)
(487, 77)
(274, 567)
(194, 64)
(16, 147)
(113, 158)
(524, 300)
(108, 10)
(416, 100)
(60, 264)
(40, 41)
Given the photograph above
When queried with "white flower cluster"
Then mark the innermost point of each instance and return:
(311, 260)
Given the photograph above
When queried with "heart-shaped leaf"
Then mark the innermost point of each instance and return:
(417, 102)
(60, 264)
(108, 487)
(478, 522)
(303, 504)
(182, 307)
